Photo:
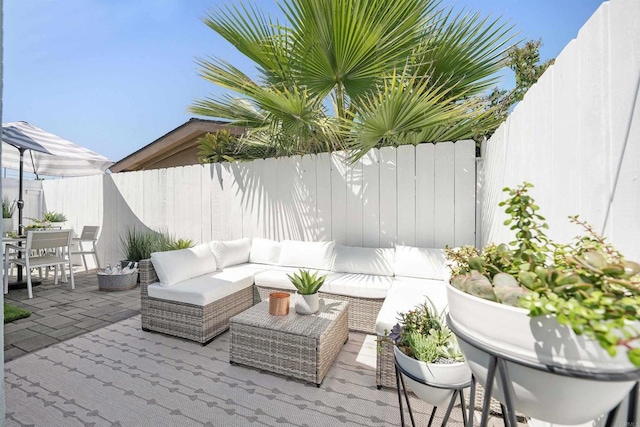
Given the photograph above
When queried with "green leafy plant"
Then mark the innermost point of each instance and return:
(587, 284)
(307, 283)
(8, 208)
(423, 334)
(53, 216)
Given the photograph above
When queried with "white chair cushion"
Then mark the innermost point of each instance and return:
(405, 294)
(264, 251)
(231, 252)
(351, 259)
(357, 285)
(277, 278)
(425, 263)
(176, 266)
(313, 255)
(203, 290)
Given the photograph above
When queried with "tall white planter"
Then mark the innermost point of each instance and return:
(7, 225)
(436, 373)
(542, 395)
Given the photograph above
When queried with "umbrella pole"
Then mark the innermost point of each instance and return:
(20, 203)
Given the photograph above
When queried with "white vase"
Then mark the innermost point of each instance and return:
(436, 373)
(307, 304)
(549, 397)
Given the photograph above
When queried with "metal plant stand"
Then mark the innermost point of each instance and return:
(457, 392)
(498, 363)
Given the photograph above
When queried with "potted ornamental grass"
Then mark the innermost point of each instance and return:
(307, 284)
(426, 348)
(8, 208)
(572, 306)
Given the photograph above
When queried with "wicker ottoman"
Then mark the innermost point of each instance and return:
(297, 346)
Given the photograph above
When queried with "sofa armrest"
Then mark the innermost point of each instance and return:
(147, 276)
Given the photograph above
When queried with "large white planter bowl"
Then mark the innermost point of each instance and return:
(436, 373)
(549, 397)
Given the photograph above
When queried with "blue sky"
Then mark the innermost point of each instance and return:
(114, 75)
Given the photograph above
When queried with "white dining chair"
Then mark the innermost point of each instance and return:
(41, 249)
(89, 235)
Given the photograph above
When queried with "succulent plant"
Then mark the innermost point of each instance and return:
(586, 284)
(306, 283)
(423, 334)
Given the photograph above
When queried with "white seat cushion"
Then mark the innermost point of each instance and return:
(405, 294)
(277, 278)
(176, 266)
(231, 252)
(357, 285)
(351, 259)
(205, 289)
(264, 251)
(424, 263)
(309, 255)
(246, 268)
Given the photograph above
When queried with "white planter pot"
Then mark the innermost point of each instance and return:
(7, 225)
(542, 395)
(307, 304)
(437, 373)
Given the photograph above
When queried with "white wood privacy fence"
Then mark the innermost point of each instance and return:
(575, 136)
(422, 195)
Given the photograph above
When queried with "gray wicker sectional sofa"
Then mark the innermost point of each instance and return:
(193, 293)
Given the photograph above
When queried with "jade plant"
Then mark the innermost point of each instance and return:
(306, 283)
(423, 334)
(587, 284)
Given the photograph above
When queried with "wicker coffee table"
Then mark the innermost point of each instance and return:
(297, 346)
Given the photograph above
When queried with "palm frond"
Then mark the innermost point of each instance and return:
(466, 51)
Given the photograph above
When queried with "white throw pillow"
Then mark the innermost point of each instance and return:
(425, 263)
(316, 255)
(351, 259)
(177, 266)
(264, 251)
(231, 252)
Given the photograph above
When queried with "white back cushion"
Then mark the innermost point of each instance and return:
(351, 259)
(264, 251)
(231, 252)
(316, 255)
(425, 263)
(176, 266)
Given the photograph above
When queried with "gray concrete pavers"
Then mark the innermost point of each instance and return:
(59, 313)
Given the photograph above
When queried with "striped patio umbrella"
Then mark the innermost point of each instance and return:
(48, 154)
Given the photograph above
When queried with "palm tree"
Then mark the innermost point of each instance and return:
(355, 74)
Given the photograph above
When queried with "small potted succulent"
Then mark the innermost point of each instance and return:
(8, 208)
(574, 306)
(427, 349)
(308, 284)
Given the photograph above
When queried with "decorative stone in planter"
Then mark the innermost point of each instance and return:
(442, 374)
(542, 395)
(117, 282)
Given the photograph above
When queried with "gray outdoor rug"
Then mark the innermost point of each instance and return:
(122, 376)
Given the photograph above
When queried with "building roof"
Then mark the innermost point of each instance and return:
(178, 147)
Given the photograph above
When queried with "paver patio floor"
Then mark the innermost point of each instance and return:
(59, 313)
